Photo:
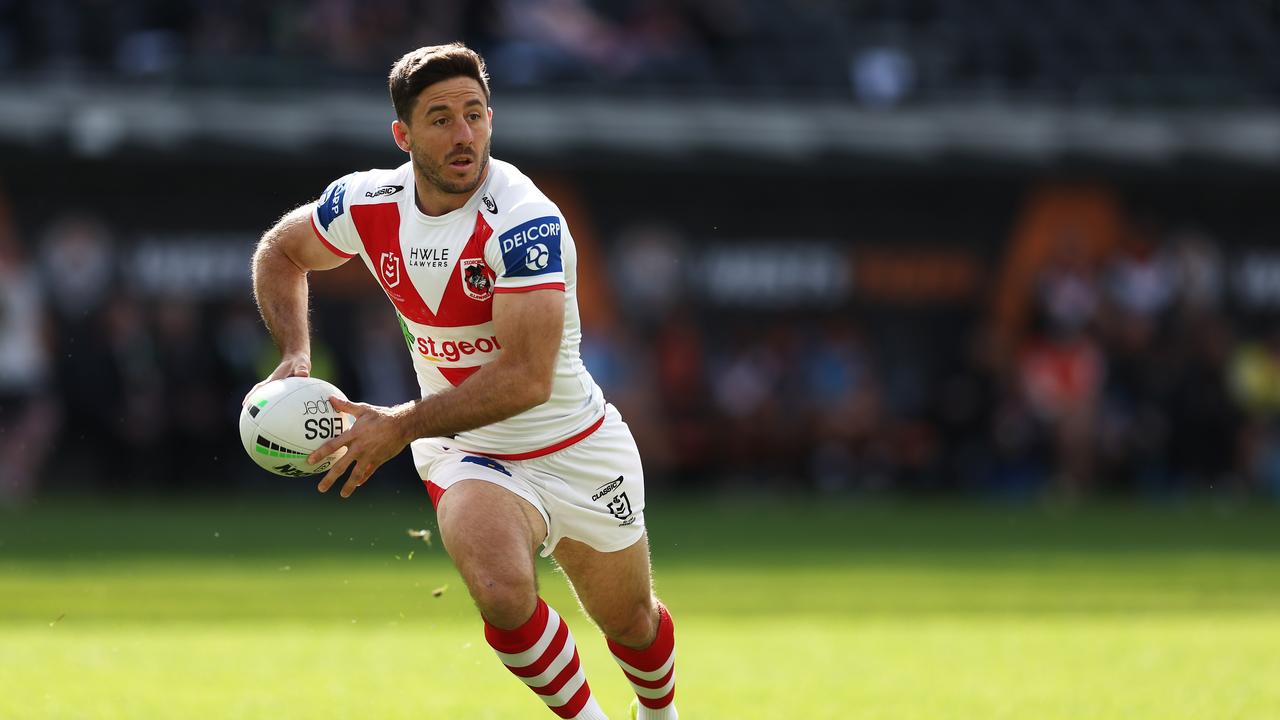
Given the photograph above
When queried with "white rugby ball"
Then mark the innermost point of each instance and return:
(288, 419)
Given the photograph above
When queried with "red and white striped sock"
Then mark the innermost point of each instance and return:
(542, 654)
(652, 671)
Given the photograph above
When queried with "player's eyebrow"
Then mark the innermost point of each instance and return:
(442, 106)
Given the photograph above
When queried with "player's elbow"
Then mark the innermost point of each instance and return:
(535, 388)
(539, 389)
(271, 260)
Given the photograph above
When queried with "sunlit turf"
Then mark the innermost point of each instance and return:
(310, 608)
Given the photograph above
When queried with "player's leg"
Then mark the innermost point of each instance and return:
(492, 535)
(616, 590)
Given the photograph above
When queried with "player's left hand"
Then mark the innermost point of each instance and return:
(376, 437)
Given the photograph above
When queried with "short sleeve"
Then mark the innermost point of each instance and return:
(529, 253)
(331, 221)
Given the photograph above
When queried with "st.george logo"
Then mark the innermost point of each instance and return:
(390, 265)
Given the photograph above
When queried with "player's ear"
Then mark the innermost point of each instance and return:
(400, 132)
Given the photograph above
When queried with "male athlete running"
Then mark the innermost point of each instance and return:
(512, 437)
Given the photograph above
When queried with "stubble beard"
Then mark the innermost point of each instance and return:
(435, 173)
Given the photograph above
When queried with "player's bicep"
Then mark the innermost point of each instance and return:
(529, 326)
(295, 238)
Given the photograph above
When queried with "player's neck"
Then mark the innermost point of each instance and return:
(434, 202)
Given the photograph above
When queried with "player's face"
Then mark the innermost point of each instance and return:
(448, 135)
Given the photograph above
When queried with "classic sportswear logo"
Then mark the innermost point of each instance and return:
(489, 204)
(532, 248)
(454, 350)
(384, 190)
(606, 488)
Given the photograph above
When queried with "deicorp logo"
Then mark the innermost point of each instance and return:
(331, 203)
(532, 248)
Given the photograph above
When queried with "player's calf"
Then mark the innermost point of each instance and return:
(542, 653)
(491, 535)
(632, 626)
(651, 670)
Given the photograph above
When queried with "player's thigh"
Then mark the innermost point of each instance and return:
(615, 588)
(490, 532)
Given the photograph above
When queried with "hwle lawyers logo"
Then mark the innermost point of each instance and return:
(390, 268)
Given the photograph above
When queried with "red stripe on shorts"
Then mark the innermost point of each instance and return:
(550, 448)
(435, 491)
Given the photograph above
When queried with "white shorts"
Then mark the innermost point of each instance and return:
(591, 491)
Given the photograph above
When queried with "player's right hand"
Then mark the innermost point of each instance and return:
(294, 365)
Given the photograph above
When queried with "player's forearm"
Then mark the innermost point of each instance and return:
(280, 289)
(495, 392)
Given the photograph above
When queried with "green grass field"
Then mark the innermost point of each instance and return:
(314, 608)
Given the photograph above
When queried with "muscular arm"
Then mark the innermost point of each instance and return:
(529, 325)
(286, 253)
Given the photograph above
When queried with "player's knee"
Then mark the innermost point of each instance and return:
(635, 627)
(506, 602)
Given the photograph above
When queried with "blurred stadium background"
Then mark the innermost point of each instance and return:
(1009, 256)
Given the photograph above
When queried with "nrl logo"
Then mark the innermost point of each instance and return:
(620, 507)
(390, 265)
(291, 471)
(475, 283)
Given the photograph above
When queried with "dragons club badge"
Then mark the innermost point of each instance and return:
(476, 282)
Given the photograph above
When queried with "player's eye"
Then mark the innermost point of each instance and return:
(440, 121)
(474, 117)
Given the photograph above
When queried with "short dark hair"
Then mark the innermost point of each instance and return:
(426, 66)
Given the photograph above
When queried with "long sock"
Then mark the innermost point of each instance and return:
(652, 671)
(543, 655)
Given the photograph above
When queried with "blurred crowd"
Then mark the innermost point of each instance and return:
(881, 52)
(1115, 368)
(1118, 371)
(700, 43)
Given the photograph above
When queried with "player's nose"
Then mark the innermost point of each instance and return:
(463, 134)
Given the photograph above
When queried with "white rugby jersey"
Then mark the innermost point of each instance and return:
(440, 273)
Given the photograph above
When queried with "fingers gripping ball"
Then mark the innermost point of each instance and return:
(286, 420)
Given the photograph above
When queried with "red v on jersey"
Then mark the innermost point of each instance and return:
(379, 229)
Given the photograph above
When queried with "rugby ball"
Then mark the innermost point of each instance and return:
(288, 419)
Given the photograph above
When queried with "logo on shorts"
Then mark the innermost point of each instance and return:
(620, 506)
(487, 462)
(606, 489)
